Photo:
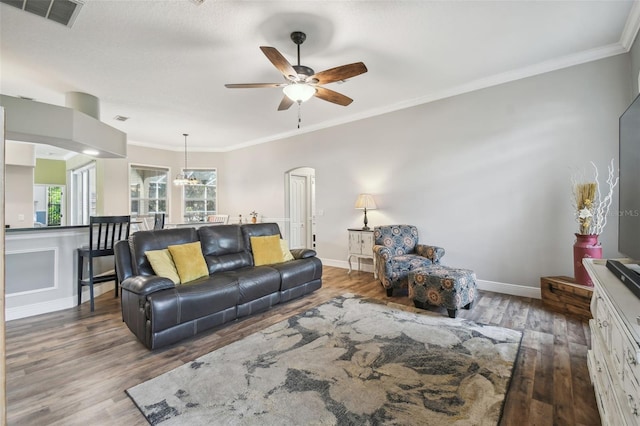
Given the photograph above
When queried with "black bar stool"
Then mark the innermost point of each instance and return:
(104, 232)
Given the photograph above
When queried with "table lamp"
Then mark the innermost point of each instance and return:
(365, 201)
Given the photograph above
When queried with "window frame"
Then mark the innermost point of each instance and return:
(140, 200)
(83, 205)
(205, 212)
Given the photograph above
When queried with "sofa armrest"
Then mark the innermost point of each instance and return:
(122, 256)
(303, 253)
(433, 253)
(383, 252)
(143, 285)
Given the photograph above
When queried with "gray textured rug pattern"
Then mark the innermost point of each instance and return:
(349, 361)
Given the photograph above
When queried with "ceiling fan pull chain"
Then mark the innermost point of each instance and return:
(299, 113)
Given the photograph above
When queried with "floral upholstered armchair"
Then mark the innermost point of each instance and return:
(396, 252)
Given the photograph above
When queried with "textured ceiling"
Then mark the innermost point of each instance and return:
(164, 63)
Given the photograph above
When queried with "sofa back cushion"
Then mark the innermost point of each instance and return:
(223, 247)
(143, 241)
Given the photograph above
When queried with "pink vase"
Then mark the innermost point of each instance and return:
(589, 247)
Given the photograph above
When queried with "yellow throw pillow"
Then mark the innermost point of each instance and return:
(189, 261)
(266, 250)
(162, 264)
(286, 254)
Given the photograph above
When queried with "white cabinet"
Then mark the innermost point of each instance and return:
(614, 358)
(361, 247)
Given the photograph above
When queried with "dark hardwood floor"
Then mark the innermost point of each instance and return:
(73, 366)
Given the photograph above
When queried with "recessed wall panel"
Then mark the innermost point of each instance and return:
(30, 271)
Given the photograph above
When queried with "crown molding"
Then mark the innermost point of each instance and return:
(631, 27)
(490, 81)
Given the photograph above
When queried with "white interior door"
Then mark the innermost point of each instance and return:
(298, 211)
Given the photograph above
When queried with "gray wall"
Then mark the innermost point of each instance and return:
(484, 174)
(635, 65)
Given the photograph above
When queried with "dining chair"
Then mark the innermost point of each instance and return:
(158, 221)
(222, 219)
(104, 232)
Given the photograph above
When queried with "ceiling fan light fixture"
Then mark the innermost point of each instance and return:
(299, 92)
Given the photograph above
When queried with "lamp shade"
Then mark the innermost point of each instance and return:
(365, 201)
(299, 92)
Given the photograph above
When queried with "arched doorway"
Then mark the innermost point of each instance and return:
(300, 207)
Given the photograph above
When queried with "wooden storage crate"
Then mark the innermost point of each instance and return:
(562, 294)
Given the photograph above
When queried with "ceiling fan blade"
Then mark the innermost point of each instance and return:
(253, 85)
(280, 62)
(331, 96)
(339, 73)
(285, 103)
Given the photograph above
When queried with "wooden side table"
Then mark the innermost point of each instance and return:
(361, 247)
(562, 294)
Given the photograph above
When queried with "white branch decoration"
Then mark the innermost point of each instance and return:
(590, 206)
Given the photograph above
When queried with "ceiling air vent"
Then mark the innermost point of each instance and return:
(61, 11)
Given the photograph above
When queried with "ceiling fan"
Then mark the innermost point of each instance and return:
(301, 82)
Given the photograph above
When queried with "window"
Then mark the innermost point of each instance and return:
(148, 190)
(49, 205)
(83, 194)
(200, 200)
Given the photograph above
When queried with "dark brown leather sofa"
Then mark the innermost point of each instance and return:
(159, 312)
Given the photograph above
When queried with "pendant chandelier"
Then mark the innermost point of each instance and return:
(182, 178)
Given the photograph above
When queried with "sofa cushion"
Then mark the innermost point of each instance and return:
(162, 264)
(197, 299)
(189, 261)
(266, 250)
(256, 282)
(223, 248)
(298, 272)
(143, 241)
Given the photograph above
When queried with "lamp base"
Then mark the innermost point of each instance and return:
(365, 227)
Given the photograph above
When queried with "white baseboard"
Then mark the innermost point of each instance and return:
(512, 289)
(56, 304)
(496, 287)
(364, 266)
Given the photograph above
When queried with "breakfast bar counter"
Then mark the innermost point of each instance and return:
(40, 269)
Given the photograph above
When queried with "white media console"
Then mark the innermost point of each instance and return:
(614, 357)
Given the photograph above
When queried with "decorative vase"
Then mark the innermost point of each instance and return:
(586, 246)
(254, 219)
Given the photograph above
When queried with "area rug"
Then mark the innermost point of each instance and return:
(350, 361)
